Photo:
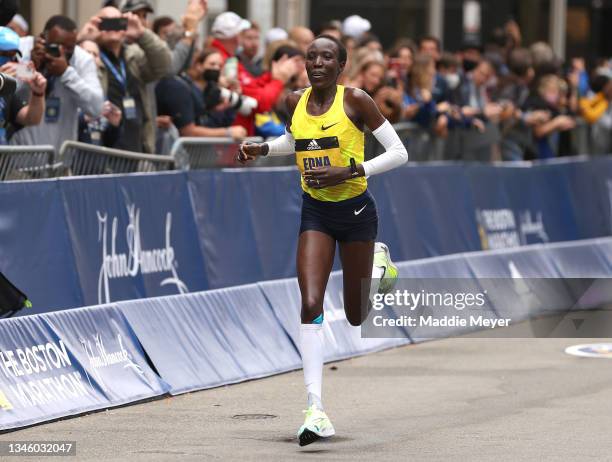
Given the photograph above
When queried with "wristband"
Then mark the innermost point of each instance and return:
(354, 171)
(38, 95)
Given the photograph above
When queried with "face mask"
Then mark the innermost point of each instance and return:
(211, 75)
(469, 65)
(553, 100)
(452, 80)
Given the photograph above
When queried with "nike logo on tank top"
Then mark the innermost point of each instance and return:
(328, 140)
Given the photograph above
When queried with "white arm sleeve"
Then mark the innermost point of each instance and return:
(395, 152)
(284, 144)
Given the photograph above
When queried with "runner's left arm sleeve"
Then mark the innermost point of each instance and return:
(395, 152)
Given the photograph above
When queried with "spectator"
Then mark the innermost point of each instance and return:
(126, 70)
(265, 89)
(597, 111)
(549, 98)
(103, 130)
(273, 122)
(19, 25)
(141, 8)
(333, 28)
(27, 105)
(181, 39)
(448, 68)
(72, 84)
(370, 77)
(355, 26)
(419, 100)
(371, 42)
(401, 59)
(430, 45)
(303, 36)
(276, 34)
(249, 54)
(517, 141)
(193, 102)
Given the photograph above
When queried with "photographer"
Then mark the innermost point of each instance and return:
(131, 57)
(72, 84)
(198, 105)
(26, 106)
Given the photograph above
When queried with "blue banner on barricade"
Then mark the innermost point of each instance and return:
(133, 237)
(248, 222)
(94, 240)
(35, 249)
(432, 201)
(211, 338)
(341, 339)
(107, 348)
(68, 363)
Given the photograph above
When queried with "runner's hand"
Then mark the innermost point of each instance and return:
(249, 151)
(324, 177)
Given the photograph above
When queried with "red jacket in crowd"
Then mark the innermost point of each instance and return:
(264, 89)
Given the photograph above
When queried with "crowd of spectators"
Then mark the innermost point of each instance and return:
(129, 80)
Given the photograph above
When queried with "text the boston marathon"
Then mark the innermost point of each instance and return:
(26, 363)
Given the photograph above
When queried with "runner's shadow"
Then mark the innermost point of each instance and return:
(323, 441)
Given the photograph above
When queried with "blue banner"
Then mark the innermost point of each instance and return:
(68, 363)
(85, 241)
(133, 237)
(212, 338)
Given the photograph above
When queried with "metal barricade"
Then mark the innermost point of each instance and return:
(198, 153)
(420, 143)
(87, 159)
(26, 162)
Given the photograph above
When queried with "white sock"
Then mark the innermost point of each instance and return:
(311, 348)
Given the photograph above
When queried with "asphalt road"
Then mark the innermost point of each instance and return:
(458, 399)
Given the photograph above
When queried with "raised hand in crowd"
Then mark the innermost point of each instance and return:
(112, 113)
(91, 30)
(135, 29)
(285, 68)
(195, 12)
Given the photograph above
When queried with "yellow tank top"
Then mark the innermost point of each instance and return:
(330, 139)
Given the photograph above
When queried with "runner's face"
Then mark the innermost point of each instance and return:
(322, 63)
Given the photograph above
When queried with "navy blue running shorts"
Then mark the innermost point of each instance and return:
(354, 219)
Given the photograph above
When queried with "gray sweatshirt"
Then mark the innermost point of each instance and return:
(78, 88)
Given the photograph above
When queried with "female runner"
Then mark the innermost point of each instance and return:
(326, 133)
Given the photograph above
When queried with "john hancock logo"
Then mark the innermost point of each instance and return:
(136, 260)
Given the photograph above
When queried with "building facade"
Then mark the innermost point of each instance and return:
(573, 27)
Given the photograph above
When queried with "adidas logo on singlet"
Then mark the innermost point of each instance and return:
(313, 145)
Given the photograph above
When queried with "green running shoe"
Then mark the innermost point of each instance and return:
(382, 259)
(316, 425)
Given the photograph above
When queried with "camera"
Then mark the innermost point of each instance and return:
(8, 85)
(53, 49)
(113, 24)
(215, 95)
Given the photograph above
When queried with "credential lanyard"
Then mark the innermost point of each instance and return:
(120, 74)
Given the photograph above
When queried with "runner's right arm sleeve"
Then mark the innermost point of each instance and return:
(284, 144)
(395, 152)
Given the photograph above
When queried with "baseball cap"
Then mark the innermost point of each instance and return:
(228, 25)
(21, 22)
(9, 40)
(129, 6)
(355, 26)
(276, 33)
